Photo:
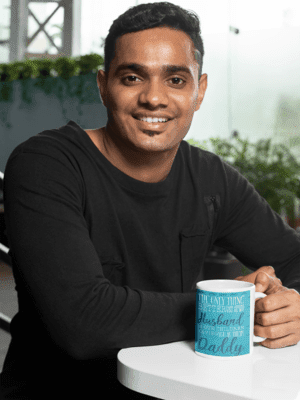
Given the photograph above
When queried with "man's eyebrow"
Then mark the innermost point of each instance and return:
(140, 67)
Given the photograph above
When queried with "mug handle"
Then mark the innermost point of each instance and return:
(257, 339)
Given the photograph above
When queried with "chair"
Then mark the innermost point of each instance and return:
(4, 252)
(5, 323)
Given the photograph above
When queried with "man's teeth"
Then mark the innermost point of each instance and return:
(148, 119)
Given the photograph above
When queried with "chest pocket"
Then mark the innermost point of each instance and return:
(194, 244)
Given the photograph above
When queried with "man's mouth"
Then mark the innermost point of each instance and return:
(152, 126)
(152, 120)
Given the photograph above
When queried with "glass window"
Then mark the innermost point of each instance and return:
(96, 18)
(4, 30)
(49, 40)
(98, 15)
(265, 73)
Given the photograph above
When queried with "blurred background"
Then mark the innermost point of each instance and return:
(252, 58)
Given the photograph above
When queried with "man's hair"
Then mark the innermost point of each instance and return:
(152, 15)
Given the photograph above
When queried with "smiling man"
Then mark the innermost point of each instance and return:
(109, 227)
(151, 92)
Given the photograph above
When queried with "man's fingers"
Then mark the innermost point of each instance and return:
(239, 278)
(275, 301)
(262, 282)
(264, 279)
(268, 270)
(275, 331)
(279, 316)
(266, 283)
(289, 340)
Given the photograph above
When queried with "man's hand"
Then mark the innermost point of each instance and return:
(265, 280)
(277, 316)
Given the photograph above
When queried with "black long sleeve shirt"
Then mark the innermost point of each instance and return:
(103, 261)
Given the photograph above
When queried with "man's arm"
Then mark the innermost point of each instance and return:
(254, 233)
(258, 237)
(58, 264)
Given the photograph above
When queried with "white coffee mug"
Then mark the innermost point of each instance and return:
(225, 318)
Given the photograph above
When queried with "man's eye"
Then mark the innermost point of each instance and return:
(130, 78)
(177, 81)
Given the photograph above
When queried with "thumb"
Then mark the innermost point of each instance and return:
(262, 282)
(260, 288)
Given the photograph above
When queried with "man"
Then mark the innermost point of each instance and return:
(109, 227)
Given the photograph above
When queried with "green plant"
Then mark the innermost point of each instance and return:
(63, 66)
(271, 168)
(62, 77)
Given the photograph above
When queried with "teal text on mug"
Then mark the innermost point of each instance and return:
(225, 318)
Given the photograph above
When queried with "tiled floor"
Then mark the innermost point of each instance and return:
(8, 305)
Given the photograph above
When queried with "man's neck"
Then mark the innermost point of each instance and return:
(151, 168)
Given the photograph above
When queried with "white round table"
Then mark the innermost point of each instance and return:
(174, 371)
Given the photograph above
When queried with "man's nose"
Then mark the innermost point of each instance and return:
(154, 93)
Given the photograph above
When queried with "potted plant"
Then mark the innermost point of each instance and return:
(271, 168)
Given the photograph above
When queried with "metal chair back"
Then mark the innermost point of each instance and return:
(4, 252)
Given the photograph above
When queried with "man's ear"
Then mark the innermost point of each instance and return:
(201, 91)
(102, 85)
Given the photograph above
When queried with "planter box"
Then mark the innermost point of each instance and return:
(20, 120)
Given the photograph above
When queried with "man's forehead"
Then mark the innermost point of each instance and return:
(155, 36)
(131, 47)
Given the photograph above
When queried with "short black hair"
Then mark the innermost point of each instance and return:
(152, 15)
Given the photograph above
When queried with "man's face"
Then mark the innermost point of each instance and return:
(142, 84)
